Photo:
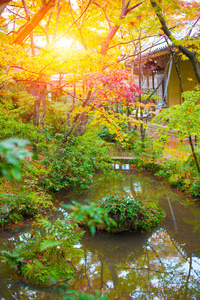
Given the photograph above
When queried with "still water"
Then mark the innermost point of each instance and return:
(161, 264)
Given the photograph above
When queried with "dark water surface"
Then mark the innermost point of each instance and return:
(162, 264)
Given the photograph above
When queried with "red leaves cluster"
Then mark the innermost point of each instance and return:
(113, 86)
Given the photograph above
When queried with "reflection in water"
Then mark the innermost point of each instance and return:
(152, 267)
(120, 166)
(161, 264)
(172, 213)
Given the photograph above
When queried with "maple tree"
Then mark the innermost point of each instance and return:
(120, 27)
(58, 90)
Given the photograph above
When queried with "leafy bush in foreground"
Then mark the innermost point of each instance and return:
(11, 152)
(91, 216)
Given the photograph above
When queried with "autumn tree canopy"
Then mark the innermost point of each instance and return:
(103, 36)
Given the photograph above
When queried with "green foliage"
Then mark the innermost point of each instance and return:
(131, 139)
(17, 207)
(180, 173)
(33, 171)
(91, 216)
(194, 187)
(77, 296)
(14, 98)
(190, 161)
(149, 149)
(11, 152)
(125, 207)
(168, 166)
(48, 255)
(12, 125)
(128, 138)
(132, 215)
(73, 163)
(183, 118)
(151, 216)
(106, 135)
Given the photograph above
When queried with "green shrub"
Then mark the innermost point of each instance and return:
(175, 180)
(17, 207)
(73, 163)
(168, 167)
(122, 212)
(12, 126)
(148, 150)
(180, 174)
(132, 215)
(106, 135)
(191, 162)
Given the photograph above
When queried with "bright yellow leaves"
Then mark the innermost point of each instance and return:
(114, 121)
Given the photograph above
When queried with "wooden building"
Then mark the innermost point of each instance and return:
(158, 69)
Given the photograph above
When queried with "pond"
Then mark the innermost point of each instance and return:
(161, 264)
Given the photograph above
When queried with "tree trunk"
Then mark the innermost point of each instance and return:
(39, 92)
(190, 54)
(81, 126)
(106, 42)
(3, 5)
(194, 154)
(82, 118)
(36, 111)
(30, 25)
(44, 107)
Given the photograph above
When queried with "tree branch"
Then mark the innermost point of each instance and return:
(113, 29)
(76, 20)
(133, 7)
(106, 16)
(131, 41)
(190, 54)
(26, 30)
(31, 33)
(77, 26)
(133, 55)
(57, 19)
(16, 14)
(160, 16)
(189, 33)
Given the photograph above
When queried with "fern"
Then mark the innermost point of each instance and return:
(49, 252)
(49, 243)
(12, 258)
